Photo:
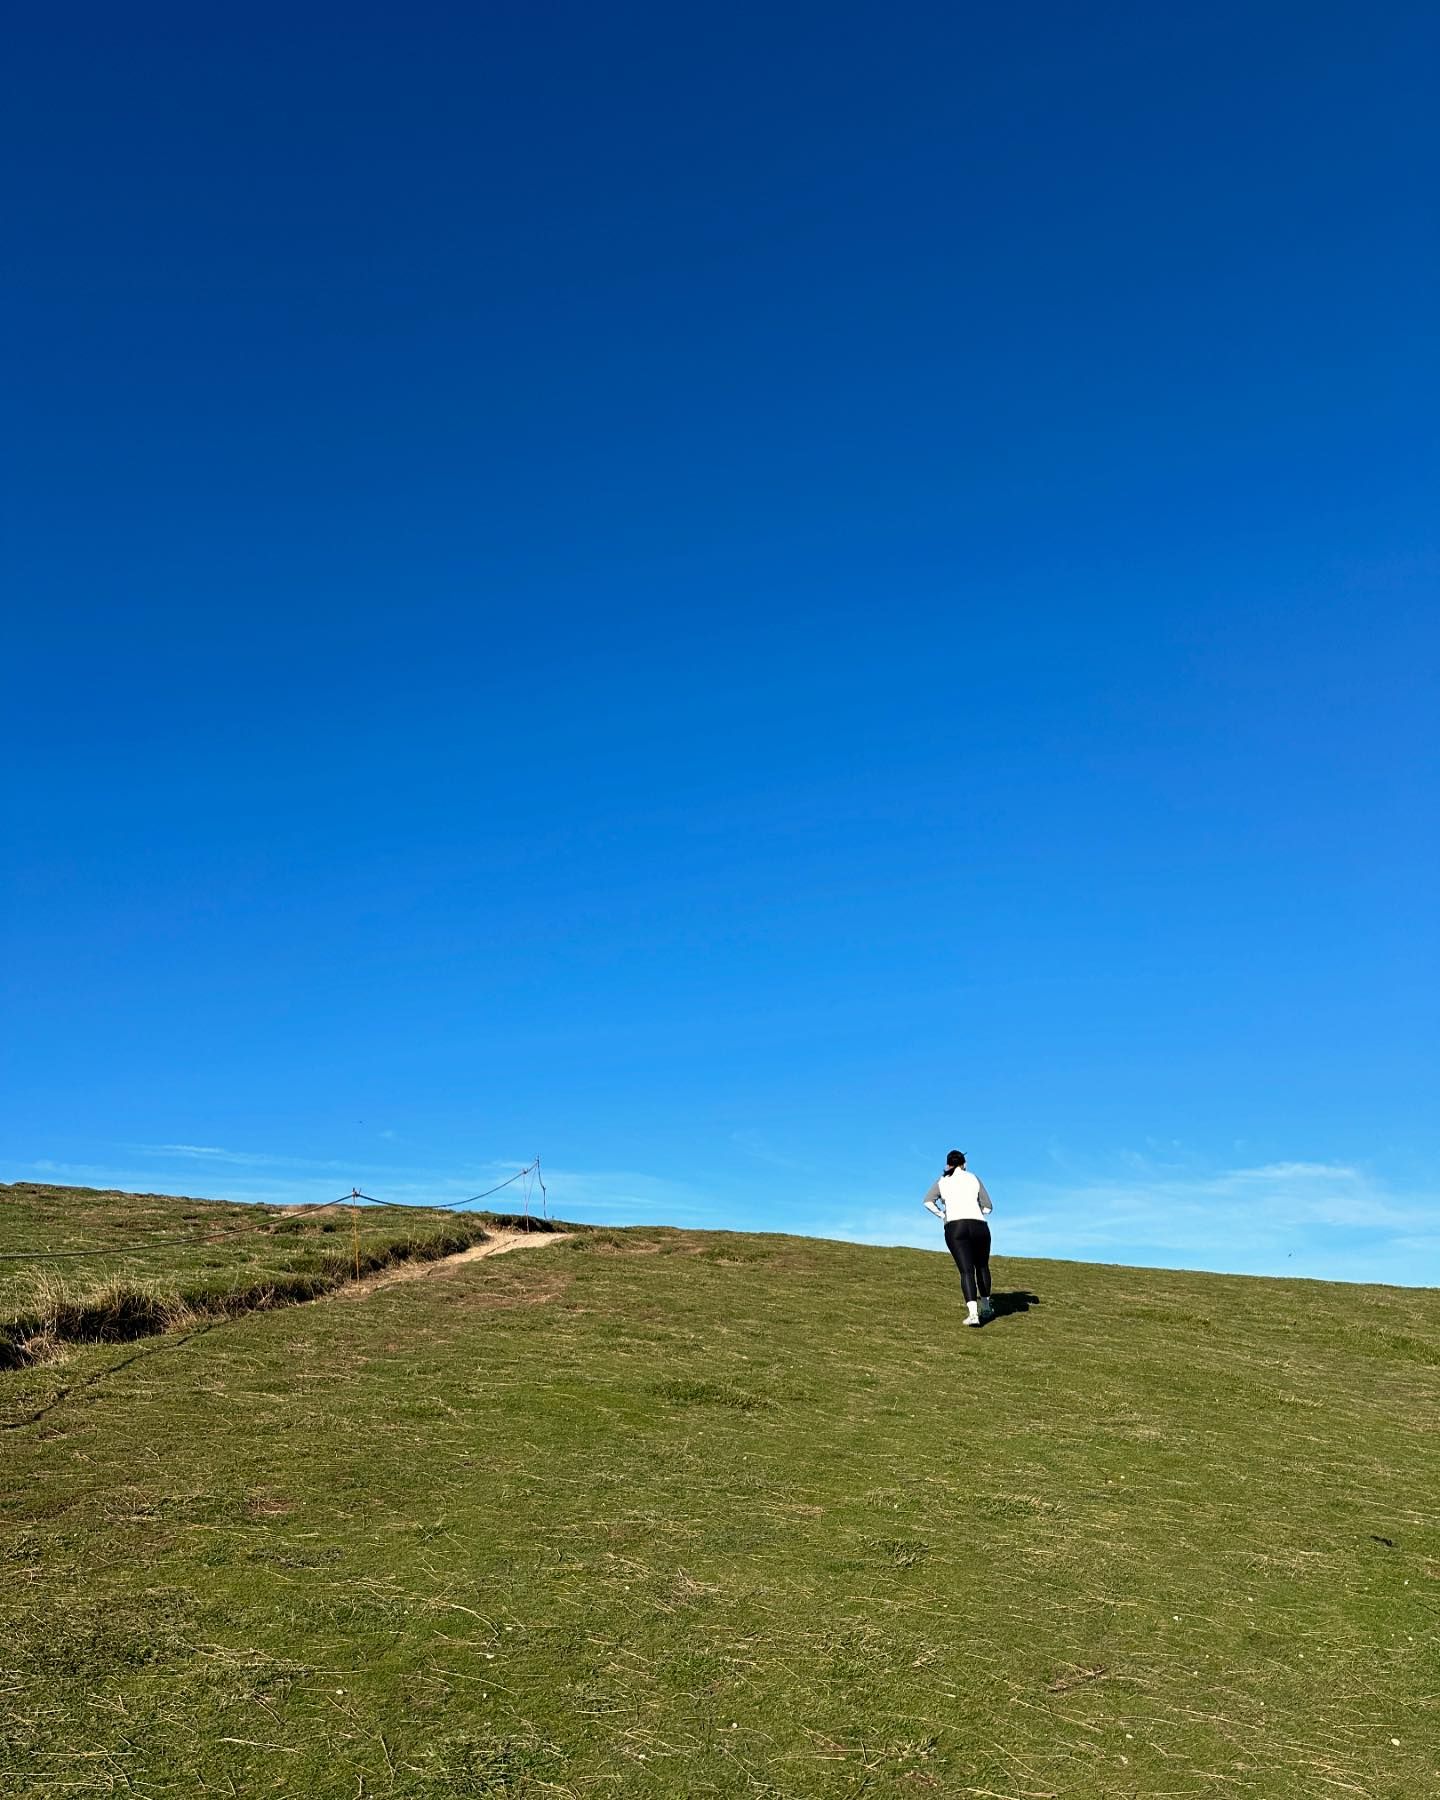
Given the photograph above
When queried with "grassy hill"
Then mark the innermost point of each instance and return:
(656, 1513)
(119, 1266)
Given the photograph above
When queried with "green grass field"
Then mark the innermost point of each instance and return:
(657, 1513)
(174, 1261)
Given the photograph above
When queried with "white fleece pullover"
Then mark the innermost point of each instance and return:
(958, 1195)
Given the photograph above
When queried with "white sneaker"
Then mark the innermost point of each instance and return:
(972, 1313)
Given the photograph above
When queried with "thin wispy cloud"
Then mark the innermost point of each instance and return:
(620, 1197)
(754, 1145)
(136, 1170)
(207, 1152)
(1328, 1220)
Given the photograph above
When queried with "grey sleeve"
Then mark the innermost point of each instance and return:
(987, 1205)
(932, 1198)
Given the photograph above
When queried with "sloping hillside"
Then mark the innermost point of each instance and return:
(654, 1513)
(115, 1267)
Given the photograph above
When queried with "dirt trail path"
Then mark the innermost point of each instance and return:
(497, 1245)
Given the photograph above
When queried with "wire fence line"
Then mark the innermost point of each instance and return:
(530, 1169)
(355, 1198)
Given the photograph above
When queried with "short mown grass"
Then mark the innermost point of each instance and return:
(665, 1514)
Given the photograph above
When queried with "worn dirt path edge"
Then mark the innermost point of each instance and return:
(497, 1245)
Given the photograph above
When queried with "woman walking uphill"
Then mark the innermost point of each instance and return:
(959, 1199)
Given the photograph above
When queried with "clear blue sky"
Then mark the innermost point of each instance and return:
(736, 597)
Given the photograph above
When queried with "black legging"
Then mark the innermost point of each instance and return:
(968, 1241)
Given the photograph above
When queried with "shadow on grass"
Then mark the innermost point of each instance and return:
(1017, 1302)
